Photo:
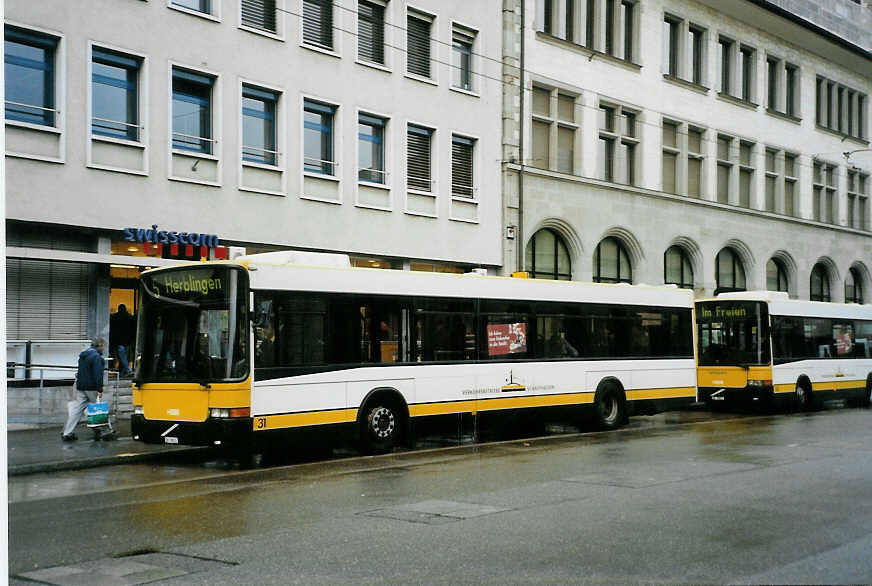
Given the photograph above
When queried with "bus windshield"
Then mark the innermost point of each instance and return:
(193, 325)
(733, 333)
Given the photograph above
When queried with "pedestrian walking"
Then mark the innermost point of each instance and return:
(89, 386)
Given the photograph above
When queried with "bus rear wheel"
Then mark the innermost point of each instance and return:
(867, 396)
(610, 406)
(380, 427)
(802, 397)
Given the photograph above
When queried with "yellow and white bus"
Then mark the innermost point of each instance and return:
(233, 353)
(764, 346)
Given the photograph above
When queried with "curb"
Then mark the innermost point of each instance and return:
(99, 461)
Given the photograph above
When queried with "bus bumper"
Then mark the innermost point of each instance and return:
(212, 432)
(714, 395)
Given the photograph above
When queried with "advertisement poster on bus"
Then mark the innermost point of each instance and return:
(506, 339)
(842, 334)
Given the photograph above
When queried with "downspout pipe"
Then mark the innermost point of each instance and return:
(521, 83)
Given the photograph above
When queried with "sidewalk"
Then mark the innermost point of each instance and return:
(31, 449)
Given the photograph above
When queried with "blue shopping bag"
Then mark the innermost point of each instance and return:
(98, 413)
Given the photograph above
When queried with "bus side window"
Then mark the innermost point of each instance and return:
(264, 332)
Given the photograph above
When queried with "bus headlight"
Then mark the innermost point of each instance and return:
(759, 383)
(138, 410)
(219, 413)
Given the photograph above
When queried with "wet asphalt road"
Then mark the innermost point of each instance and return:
(675, 498)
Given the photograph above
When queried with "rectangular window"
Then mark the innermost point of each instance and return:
(371, 148)
(114, 94)
(748, 58)
(548, 17)
(791, 90)
(670, 156)
(590, 24)
(771, 180)
(851, 198)
(541, 150)
(418, 45)
(418, 160)
(671, 34)
(695, 159)
(772, 83)
(831, 187)
(192, 111)
(461, 47)
(30, 76)
(610, 27)
(840, 108)
(570, 20)
(618, 145)
(790, 191)
(820, 101)
(259, 14)
(862, 198)
(697, 59)
(861, 117)
(318, 23)
(566, 129)
(553, 126)
(462, 177)
(725, 168)
(726, 49)
(627, 9)
(318, 152)
(197, 5)
(259, 108)
(371, 32)
(746, 177)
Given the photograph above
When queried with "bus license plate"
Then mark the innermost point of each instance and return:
(171, 440)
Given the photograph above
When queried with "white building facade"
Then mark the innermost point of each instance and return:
(715, 145)
(142, 132)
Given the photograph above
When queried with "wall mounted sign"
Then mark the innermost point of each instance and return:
(156, 236)
(189, 244)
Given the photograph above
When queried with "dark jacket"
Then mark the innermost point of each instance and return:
(90, 374)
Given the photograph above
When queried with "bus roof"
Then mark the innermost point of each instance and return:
(780, 303)
(291, 277)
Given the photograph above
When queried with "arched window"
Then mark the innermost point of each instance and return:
(729, 272)
(776, 276)
(547, 257)
(853, 287)
(677, 269)
(611, 263)
(820, 284)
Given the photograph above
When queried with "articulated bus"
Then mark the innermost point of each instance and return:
(232, 353)
(762, 346)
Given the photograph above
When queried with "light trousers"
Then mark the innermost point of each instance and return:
(77, 409)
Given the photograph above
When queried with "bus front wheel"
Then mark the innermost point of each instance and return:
(380, 427)
(610, 406)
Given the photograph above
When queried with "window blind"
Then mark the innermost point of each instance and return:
(371, 32)
(418, 46)
(418, 161)
(318, 22)
(259, 14)
(46, 300)
(461, 167)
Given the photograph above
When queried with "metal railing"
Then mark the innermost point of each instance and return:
(45, 408)
(34, 106)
